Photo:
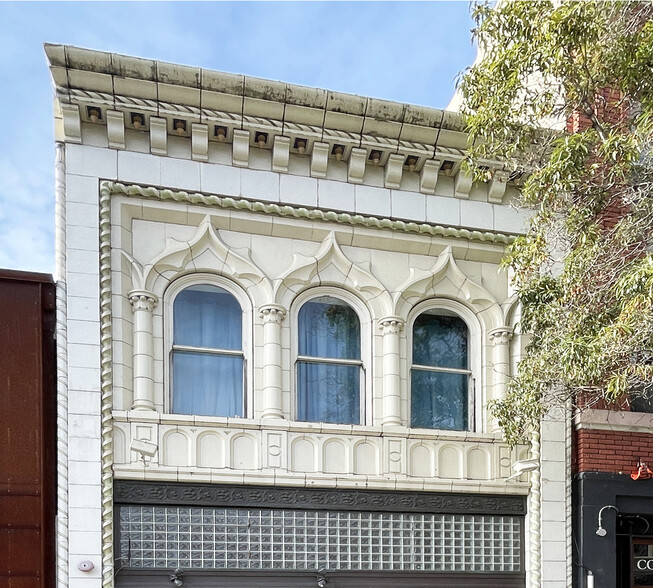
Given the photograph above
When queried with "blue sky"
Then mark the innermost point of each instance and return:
(404, 51)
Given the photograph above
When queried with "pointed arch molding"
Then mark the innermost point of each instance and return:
(446, 279)
(205, 253)
(331, 267)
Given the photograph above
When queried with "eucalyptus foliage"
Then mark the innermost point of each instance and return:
(584, 270)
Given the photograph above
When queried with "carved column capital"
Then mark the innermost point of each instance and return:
(501, 335)
(272, 313)
(391, 325)
(142, 300)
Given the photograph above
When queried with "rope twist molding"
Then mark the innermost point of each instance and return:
(106, 385)
(307, 213)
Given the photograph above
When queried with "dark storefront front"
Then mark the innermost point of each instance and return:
(617, 548)
(212, 535)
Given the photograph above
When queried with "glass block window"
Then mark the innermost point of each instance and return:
(271, 539)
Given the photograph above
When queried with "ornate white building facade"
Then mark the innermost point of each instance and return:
(280, 318)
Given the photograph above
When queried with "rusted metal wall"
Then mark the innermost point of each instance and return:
(27, 430)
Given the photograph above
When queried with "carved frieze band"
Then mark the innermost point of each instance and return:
(175, 493)
(307, 213)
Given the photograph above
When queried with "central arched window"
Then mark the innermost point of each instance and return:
(329, 366)
(207, 353)
(440, 374)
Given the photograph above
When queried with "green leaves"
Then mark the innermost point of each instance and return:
(584, 270)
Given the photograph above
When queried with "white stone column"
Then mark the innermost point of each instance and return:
(143, 304)
(500, 338)
(272, 315)
(391, 326)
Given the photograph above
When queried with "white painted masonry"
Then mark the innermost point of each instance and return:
(276, 193)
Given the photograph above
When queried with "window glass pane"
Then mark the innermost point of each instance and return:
(329, 327)
(328, 393)
(439, 400)
(641, 399)
(207, 384)
(207, 316)
(440, 341)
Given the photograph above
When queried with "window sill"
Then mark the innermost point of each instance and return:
(305, 427)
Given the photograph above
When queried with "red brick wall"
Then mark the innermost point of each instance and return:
(611, 451)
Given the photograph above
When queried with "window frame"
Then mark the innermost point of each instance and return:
(171, 293)
(475, 418)
(365, 361)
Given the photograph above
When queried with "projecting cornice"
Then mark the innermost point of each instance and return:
(133, 94)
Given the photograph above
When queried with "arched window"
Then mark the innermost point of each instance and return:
(329, 366)
(207, 353)
(440, 373)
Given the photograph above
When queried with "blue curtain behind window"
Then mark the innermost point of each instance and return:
(207, 316)
(440, 341)
(330, 393)
(439, 400)
(208, 384)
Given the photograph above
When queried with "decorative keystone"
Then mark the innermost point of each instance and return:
(391, 325)
(199, 142)
(280, 154)
(158, 136)
(272, 313)
(319, 160)
(428, 178)
(357, 165)
(240, 155)
(497, 187)
(142, 300)
(394, 168)
(501, 335)
(463, 185)
(116, 129)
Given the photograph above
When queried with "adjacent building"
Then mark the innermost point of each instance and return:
(27, 427)
(282, 315)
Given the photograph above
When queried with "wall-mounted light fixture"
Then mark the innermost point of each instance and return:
(601, 532)
(523, 466)
(321, 580)
(176, 578)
